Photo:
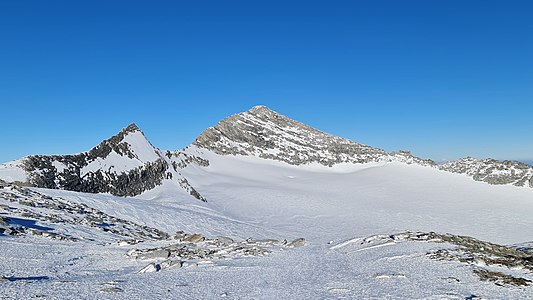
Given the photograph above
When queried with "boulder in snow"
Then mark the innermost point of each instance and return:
(300, 242)
(194, 238)
(150, 268)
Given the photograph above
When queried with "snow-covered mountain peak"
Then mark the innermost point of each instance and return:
(267, 134)
(267, 115)
(131, 128)
(125, 164)
(259, 108)
(130, 142)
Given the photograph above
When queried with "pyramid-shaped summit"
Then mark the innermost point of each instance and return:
(131, 128)
(124, 165)
(267, 134)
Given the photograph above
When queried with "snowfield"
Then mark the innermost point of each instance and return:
(363, 199)
(362, 224)
(11, 171)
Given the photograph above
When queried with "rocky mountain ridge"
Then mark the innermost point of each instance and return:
(127, 164)
(267, 134)
(493, 171)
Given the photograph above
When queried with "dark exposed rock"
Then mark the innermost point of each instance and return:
(43, 174)
(467, 250)
(42, 170)
(181, 159)
(475, 252)
(500, 278)
(114, 144)
(112, 289)
(188, 187)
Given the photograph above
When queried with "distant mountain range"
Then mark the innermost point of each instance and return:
(127, 164)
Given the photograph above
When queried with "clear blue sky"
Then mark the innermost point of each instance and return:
(444, 79)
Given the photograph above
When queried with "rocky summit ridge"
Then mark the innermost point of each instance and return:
(127, 164)
(267, 134)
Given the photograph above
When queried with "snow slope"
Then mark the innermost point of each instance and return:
(347, 213)
(12, 171)
(379, 197)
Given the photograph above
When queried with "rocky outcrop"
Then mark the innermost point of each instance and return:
(492, 171)
(266, 134)
(500, 278)
(181, 159)
(196, 249)
(28, 205)
(500, 264)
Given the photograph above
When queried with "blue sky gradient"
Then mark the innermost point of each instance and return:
(444, 79)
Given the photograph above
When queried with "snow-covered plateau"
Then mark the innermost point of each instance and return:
(263, 207)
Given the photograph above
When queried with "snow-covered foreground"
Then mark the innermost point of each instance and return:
(346, 213)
